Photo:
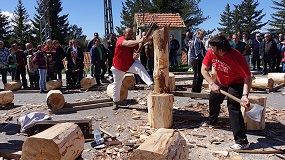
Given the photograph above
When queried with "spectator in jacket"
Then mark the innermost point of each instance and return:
(173, 48)
(111, 44)
(255, 52)
(58, 58)
(22, 62)
(4, 53)
(51, 68)
(33, 69)
(12, 61)
(41, 61)
(72, 72)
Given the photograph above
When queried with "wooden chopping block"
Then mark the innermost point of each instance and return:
(6, 97)
(64, 141)
(129, 80)
(163, 144)
(12, 86)
(87, 82)
(171, 82)
(262, 83)
(53, 84)
(55, 99)
(123, 92)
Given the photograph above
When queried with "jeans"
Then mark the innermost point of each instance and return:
(21, 70)
(198, 77)
(59, 73)
(247, 58)
(283, 67)
(13, 73)
(42, 81)
(92, 70)
(4, 75)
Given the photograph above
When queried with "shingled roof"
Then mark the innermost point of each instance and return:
(161, 19)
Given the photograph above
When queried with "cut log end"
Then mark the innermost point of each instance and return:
(6, 97)
(55, 99)
(12, 86)
(87, 82)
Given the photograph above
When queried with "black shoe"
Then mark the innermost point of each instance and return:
(99, 84)
(209, 123)
(263, 73)
(115, 106)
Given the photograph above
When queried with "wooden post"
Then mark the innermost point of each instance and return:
(163, 144)
(171, 80)
(6, 97)
(129, 80)
(277, 77)
(159, 102)
(87, 82)
(249, 123)
(262, 83)
(64, 141)
(12, 86)
(53, 84)
(123, 92)
(55, 100)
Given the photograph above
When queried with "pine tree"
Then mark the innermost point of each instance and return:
(226, 21)
(236, 19)
(21, 26)
(77, 33)
(4, 29)
(278, 18)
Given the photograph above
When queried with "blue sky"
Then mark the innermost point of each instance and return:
(89, 14)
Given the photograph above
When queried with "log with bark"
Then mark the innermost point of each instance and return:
(63, 141)
(55, 99)
(163, 144)
(6, 97)
(53, 84)
(277, 77)
(123, 92)
(12, 86)
(262, 83)
(129, 80)
(171, 81)
(87, 82)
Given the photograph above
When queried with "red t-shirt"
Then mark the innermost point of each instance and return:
(50, 50)
(231, 68)
(123, 56)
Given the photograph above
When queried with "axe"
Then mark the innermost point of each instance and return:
(152, 27)
(255, 112)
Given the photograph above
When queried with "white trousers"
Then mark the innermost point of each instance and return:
(118, 77)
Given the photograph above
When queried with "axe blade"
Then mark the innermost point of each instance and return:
(255, 113)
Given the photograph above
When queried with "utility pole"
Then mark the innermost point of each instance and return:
(45, 30)
(108, 18)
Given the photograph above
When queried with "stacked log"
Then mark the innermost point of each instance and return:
(53, 84)
(87, 82)
(262, 83)
(6, 97)
(12, 86)
(62, 141)
(171, 82)
(129, 80)
(277, 77)
(123, 92)
(163, 144)
(55, 99)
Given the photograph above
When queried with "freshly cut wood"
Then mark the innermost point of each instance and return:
(249, 123)
(277, 77)
(55, 99)
(87, 82)
(12, 86)
(262, 83)
(53, 84)
(163, 144)
(123, 92)
(129, 80)
(6, 97)
(171, 82)
(63, 141)
(160, 109)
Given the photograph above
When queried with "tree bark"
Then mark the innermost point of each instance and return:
(53, 84)
(87, 82)
(129, 80)
(263, 83)
(55, 100)
(63, 141)
(277, 77)
(6, 97)
(12, 86)
(123, 92)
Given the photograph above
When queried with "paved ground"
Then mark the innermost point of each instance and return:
(203, 141)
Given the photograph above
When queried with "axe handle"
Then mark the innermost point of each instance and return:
(152, 27)
(230, 96)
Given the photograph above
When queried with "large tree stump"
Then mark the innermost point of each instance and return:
(55, 99)
(129, 80)
(171, 82)
(277, 77)
(12, 86)
(262, 83)
(87, 82)
(163, 144)
(64, 141)
(249, 123)
(6, 97)
(160, 108)
(123, 92)
(53, 84)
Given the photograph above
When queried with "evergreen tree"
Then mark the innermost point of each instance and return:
(278, 19)
(4, 28)
(236, 19)
(21, 26)
(226, 21)
(77, 33)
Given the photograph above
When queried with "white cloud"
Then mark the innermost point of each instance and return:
(8, 14)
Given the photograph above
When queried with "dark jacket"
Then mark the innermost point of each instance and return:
(197, 50)
(95, 55)
(256, 46)
(71, 66)
(80, 56)
(111, 44)
(58, 57)
(174, 46)
(21, 58)
(40, 60)
(268, 48)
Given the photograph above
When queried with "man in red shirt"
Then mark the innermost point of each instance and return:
(125, 60)
(233, 76)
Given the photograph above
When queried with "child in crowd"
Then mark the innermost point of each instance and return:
(51, 68)
(12, 61)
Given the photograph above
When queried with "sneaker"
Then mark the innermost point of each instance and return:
(115, 106)
(239, 146)
(209, 123)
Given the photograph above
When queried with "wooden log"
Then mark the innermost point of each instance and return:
(249, 123)
(161, 60)
(171, 81)
(6, 97)
(123, 92)
(53, 84)
(160, 109)
(87, 82)
(55, 100)
(263, 83)
(12, 86)
(191, 94)
(62, 141)
(163, 144)
(129, 80)
(277, 77)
